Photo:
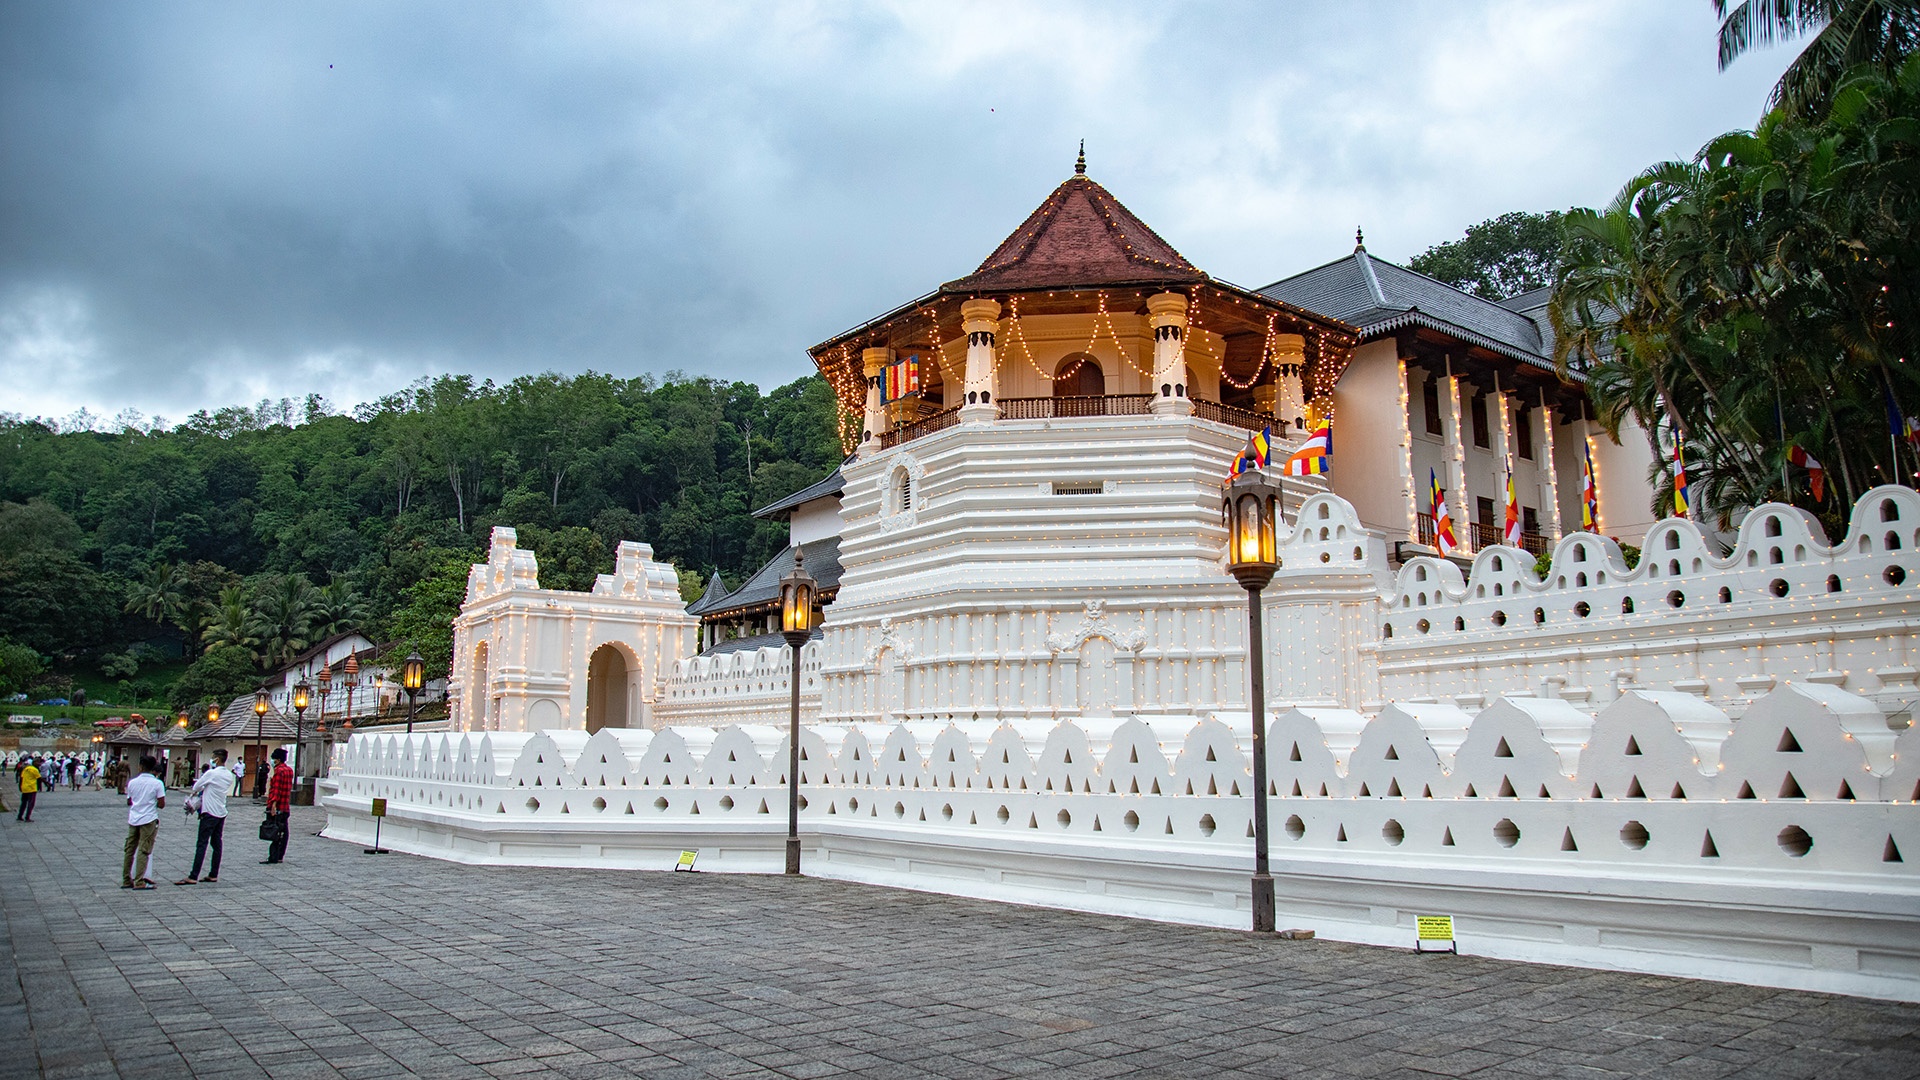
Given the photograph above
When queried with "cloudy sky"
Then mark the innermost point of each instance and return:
(206, 204)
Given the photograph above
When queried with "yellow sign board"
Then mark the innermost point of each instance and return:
(379, 808)
(686, 861)
(1434, 928)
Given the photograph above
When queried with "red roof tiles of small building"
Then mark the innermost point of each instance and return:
(1080, 236)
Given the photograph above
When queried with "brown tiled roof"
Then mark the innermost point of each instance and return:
(1081, 236)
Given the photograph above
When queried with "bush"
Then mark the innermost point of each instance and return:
(224, 673)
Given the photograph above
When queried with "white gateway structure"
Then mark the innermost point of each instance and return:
(1030, 681)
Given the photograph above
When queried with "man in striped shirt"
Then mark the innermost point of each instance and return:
(279, 805)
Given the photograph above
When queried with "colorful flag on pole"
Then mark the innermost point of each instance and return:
(1589, 491)
(1262, 444)
(1511, 534)
(1816, 473)
(1246, 460)
(1315, 456)
(903, 378)
(1682, 498)
(1442, 521)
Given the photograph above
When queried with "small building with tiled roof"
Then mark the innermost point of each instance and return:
(813, 522)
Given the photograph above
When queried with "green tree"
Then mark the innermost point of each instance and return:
(1499, 257)
(225, 672)
(20, 668)
(424, 619)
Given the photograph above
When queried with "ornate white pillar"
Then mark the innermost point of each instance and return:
(981, 321)
(1544, 425)
(1290, 364)
(1502, 453)
(1167, 314)
(1459, 501)
(875, 362)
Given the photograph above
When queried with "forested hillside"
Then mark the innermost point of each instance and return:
(234, 539)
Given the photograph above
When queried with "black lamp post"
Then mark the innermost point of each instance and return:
(1252, 509)
(796, 624)
(300, 701)
(413, 675)
(260, 707)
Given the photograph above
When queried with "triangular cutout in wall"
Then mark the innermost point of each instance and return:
(1393, 789)
(1210, 756)
(1634, 790)
(1596, 793)
(1295, 756)
(1446, 838)
(1707, 850)
(1296, 789)
(1846, 792)
(1364, 793)
(1566, 842)
(1891, 853)
(1342, 837)
(1746, 791)
(1503, 750)
(1788, 744)
(1392, 754)
(1633, 746)
(1678, 792)
(1471, 794)
(1790, 788)
(1506, 789)
(1544, 793)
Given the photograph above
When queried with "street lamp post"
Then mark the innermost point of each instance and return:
(260, 707)
(1252, 509)
(796, 624)
(300, 702)
(349, 678)
(412, 677)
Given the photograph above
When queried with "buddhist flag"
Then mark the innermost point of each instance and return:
(1589, 491)
(1442, 521)
(1246, 460)
(1315, 456)
(1511, 534)
(903, 378)
(1261, 443)
(1816, 473)
(1682, 500)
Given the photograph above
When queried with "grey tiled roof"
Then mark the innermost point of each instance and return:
(1380, 297)
(715, 595)
(832, 485)
(822, 559)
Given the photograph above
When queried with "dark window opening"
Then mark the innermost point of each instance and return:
(1480, 421)
(1432, 394)
(1523, 432)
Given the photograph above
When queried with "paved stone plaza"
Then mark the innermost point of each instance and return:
(342, 964)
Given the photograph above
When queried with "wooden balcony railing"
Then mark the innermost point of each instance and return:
(926, 425)
(1050, 408)
(1236, 417)
(1482, 535)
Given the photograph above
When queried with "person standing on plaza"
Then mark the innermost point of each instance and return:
(146, 797)
(279, 806)
(210, 797)
(29, 775)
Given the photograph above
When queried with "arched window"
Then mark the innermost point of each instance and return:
(1079, 375)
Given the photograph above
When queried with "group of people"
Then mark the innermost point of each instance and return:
(207, 802)
(34, 774)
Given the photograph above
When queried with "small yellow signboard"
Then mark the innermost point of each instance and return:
(686, 861)
(1434, 928)
(379, 808)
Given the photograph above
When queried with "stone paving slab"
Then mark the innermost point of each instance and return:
(343, 965)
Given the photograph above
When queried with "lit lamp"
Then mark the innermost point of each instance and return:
(413, 675)
(300, 701)
(350, 678)
(260, 706)
(796, 624)
(1252, 509)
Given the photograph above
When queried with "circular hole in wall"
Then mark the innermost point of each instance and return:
(1065, 819)
(1392, 832)
(1499, 618)
(946, 812)
(1002, 815)
(726, 802)
(1358, 555)
(1634, 835)
(533, 804)
(1506, 832)
(1539, 616)
(899, 810)
(1794, 841)
(1295, 827)
(853, 804)
(1131, 821)
(1206, 825)
(1676, 598)
(1583, 609)
(1423, 626)
(1894, 575)
(599, 804)
(1778, 586)
(660, 803)
(1325, 557)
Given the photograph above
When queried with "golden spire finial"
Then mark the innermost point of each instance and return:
(1080, 165)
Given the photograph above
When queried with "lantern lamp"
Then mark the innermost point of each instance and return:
(1252, 508)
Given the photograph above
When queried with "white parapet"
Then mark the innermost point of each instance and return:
(1658, 836)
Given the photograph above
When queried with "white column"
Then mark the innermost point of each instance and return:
(875, 363)
(1290, 363)
(1544, 425)
(1167, 314)
(1408, 483)
(1502, 453)
(980, 319)
(1457, 496)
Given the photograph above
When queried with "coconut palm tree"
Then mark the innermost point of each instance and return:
(233, 621)
(338, 610)
(284, 612)
(159, 595)
(1845, 34)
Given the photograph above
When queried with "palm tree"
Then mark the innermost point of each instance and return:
(1846, 34)
(233, 621)
(284, 614)
(159, 596)
(338, 610)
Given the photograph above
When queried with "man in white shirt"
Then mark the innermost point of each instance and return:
(210, 798)
(146, 796)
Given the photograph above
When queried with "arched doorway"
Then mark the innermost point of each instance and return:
(1079, 375)
(607, 688)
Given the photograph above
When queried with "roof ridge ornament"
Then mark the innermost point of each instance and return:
(1359, 239)
(1080, 164)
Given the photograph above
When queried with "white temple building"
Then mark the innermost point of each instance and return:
(1030, 681)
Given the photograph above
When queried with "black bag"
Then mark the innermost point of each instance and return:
(272, 829)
